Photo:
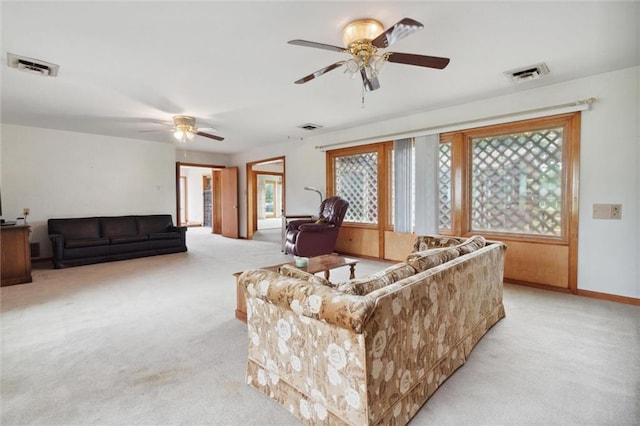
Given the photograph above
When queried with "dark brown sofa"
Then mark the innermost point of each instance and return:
(87, 240)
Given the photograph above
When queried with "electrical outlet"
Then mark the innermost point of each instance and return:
(25, 211)
(607, 211)
(616, 211)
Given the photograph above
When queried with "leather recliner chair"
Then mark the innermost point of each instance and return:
(310, 238)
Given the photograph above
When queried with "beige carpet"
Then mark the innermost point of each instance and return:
(155, 341)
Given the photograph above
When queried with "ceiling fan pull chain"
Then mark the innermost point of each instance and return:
(362, 96)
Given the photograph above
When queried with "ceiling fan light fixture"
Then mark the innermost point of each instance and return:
(352, 65)
(183, 133)
(361, 29)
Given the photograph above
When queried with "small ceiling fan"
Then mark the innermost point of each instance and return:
(363, 39)
(184, 129)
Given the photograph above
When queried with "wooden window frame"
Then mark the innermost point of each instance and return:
(383, 150)
(461, 174)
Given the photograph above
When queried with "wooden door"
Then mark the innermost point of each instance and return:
(217, 203)
(229, 184)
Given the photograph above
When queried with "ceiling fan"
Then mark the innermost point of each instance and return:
(363, 38)
(184, 129)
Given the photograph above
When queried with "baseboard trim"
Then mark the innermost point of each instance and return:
(540, 286)
(611, 297)
(584, 293)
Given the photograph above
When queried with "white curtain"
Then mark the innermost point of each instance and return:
(427, 199)
(403, 153)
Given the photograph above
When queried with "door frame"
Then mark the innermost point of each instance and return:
(252, 184)
(179, 164)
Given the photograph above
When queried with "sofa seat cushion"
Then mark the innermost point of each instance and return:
(292, 271)
(165, 236)
(471, 244)
(427, 259)
(86, 242)
(365, 285)
(118, 226)
(129, 239)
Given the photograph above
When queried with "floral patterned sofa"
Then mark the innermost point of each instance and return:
(371, 350)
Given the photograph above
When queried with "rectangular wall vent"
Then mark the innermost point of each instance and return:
(31, 65)
(530, 72)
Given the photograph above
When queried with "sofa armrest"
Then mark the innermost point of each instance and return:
(306, 298)
(315, 227)
(294, 224)
(183, 233)
(57, 243)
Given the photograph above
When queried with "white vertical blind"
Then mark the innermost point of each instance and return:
(427, 200)
(402, 152)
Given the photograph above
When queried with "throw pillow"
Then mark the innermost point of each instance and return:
(365, 285)
(471, 244)
(292, 271)
(427, 259)
(426, 242)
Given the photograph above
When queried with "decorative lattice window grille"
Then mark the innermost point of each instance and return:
(356, 180)
(517, 183)
(444, 182)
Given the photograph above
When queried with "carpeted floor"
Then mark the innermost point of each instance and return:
(155, 341)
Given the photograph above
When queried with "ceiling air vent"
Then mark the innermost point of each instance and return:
(310, 126)
(530, 72)
(33, 66)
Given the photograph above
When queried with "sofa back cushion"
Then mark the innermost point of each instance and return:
(118, 226)
(427, 259)
(365, 285)
(153, 224)
(75, 229)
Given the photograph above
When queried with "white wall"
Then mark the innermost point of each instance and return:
(304, 166)
(609, 252)
(65, 174)
(199, 157)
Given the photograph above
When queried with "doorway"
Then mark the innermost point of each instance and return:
(265, 197)
(269, 201)
(199, 196)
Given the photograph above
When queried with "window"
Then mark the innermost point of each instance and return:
(513, 175)
(445, 190)
(356, 180)
(516, 183)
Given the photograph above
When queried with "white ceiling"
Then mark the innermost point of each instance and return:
(125, 65)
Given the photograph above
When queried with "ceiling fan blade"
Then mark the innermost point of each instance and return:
(316, 45)
(151, 131)
(207, 135)
(369, 84)
(319, 72)
(418, 60)
(400, 30)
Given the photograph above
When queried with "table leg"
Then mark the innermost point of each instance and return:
(326, 275)
(352, 271)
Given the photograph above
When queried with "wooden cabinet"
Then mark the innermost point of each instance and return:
(16, 255)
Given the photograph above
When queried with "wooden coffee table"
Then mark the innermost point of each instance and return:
(324, 263)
